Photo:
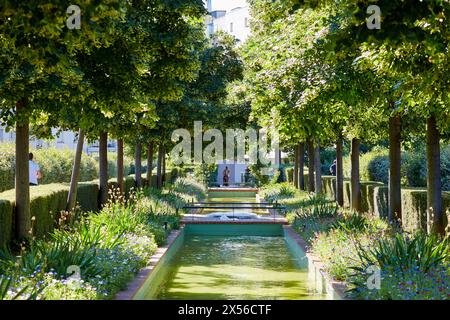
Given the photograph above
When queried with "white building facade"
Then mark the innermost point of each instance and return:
(231, 16)
(61, 140)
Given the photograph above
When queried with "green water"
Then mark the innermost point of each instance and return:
(236, 267)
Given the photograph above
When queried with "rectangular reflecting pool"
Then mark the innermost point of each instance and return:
(231, 261)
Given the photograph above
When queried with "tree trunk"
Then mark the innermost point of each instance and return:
(138, 164)
(103, 165)
(149, 163)
(301, 166)
(318, 169)
(72, 197)
(339, 174)
(296, 155)
(434, 188)
(23, 215)
(163, 169)
(394, 199)
(159, 167)
(310, 165)
(355, 183)
(120, 168)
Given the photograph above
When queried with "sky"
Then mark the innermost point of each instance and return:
(227, 4)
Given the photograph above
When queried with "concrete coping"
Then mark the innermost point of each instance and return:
(133, 287)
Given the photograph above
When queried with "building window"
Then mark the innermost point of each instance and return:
(246, 23)
(231, 27)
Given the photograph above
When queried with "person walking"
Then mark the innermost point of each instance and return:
(35, 171)
(333, 168)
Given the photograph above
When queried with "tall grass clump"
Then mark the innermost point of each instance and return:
(278, 191)
(411, 267)
(107, 248)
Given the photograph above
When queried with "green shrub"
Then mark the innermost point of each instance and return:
(128, 164)
(46, 203)
(278, 191)
(367, 195)
(381, 201)
(55, 164)
(374, 166)
(109, 247)
(6, 221)
(190, 187)
(411, 268)
(404, 252)
(7, 160)
(87, 196)
(289, 173)
(352, 223)
(8, 292)
(315, 215)
(206, 174)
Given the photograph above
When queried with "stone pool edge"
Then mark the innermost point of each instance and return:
(143, 274)
(315, 265)
(337, 287)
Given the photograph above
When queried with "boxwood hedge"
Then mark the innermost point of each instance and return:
(48, 200)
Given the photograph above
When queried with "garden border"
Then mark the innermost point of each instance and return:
(333, 287)
(139, 280)
(337, 287)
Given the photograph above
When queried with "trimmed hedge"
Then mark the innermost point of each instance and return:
(56, 165)
(381, 196)
(6, 221)
(374, 201)
(87, 196)
(374, 166)
(47, 201)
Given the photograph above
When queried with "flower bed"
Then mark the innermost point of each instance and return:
(412, 266)
(105, 250)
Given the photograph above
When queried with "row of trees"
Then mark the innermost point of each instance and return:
(133, 71)
(323, 76)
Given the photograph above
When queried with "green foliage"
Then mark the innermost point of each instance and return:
(411, 268)
(6, 221)
(374, 166)
(317, 208)
(277, 191)
(99, 244)
(403, 252)
(190, 187)
(55, 164)
(7, 163)
(206, 173)
(260, 179)
(27, 292)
